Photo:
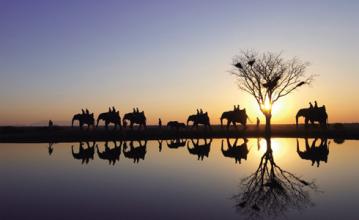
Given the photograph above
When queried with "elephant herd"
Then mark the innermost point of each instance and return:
(311, 115)
(138, 118)
(136, 150)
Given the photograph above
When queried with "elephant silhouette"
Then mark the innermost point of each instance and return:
(238, 152)
(110, 154)
(313, 114)
(201, 150)
(84, 154)
(176, 143)
(112, 116)
(176, 125)
(199, 118)
(135, 152)
(314, 153)
(135, 118)
(235, 116)
(84, 118)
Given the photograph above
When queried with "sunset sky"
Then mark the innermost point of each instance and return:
(169, 57)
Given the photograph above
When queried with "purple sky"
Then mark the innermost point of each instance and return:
(167, 57)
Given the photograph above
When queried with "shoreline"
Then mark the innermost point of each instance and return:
(41, 134)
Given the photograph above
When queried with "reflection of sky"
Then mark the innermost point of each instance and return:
(165, 184)
(167, 57)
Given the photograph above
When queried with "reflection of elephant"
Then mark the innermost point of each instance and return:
(135, 153)
(110, 154)
(135, 118)
(315, 153)
(238, 115)
(201, 150)
(197, 119)
(112, 116)
(234, 151)
(84, 118)
(313, 114)
(176, 143)
(84, 154)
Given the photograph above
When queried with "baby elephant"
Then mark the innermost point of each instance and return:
(175, 125)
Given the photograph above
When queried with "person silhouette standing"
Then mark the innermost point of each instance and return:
(310, 105)
(315, 104)
(51, 124)
(159, 123)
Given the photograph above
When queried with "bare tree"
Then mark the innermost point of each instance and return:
(270, 191)
(269, 77)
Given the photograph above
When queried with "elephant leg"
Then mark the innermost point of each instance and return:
(306, 122)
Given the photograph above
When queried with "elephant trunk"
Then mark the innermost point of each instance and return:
(296, 120)
(222, 147)
(72, 123)
(98, 120)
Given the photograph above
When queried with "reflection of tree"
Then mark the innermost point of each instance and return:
(271, 191)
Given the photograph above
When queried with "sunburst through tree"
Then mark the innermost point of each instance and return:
(269, 77)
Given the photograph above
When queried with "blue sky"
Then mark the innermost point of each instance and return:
(167, 57)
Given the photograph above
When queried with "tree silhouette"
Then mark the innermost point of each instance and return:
(270, 191)
(269, 77)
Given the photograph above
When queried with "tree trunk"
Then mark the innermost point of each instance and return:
(268, 124)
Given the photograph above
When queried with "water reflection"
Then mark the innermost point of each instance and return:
(160, 145)
(176, 143)
(201, 150)
(314, 152)
(238, 152)
(84, 154)
(50, 148)
(137, 152)
(110, 154)
(271, 191)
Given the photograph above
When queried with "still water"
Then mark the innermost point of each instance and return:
(200, 179)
